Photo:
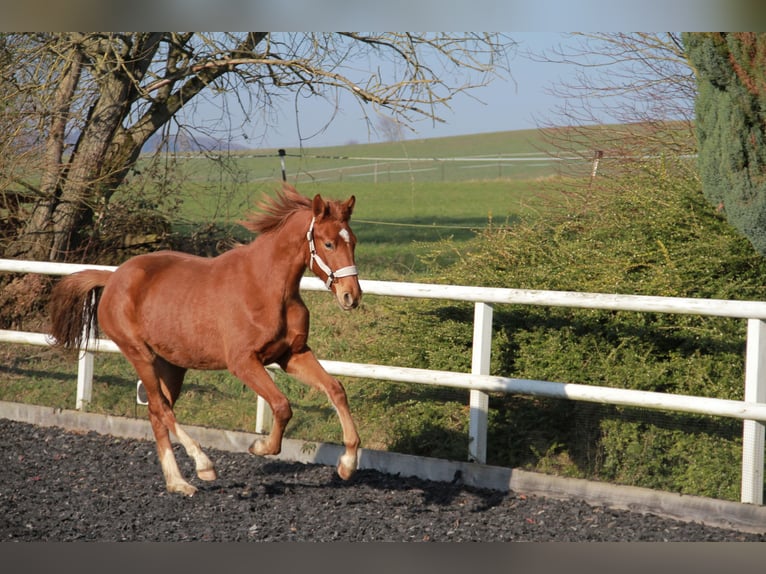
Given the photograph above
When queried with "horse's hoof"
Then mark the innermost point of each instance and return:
(207, 474)
(261, 448)
(346, 466)
(182, 488)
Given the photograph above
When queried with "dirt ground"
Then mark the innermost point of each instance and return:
(62, 486)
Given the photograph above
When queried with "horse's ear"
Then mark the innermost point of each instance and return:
(349, 206)
(319, 207)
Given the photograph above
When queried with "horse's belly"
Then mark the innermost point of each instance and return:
(202, 351)
(201, 360)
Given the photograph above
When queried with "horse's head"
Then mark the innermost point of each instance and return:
(331, 245)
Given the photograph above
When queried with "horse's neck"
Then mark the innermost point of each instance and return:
(282, 253)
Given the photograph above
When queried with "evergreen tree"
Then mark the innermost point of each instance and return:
(731, 126)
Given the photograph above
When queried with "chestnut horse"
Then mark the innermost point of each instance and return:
(169, 312)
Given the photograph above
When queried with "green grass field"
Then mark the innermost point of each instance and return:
(402, 206)
(517, 155)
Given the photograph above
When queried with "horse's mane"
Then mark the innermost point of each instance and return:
(273, 211)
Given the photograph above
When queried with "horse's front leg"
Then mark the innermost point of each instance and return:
(305, 367)
(255, 376)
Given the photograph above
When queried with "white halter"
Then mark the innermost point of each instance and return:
(331, 276)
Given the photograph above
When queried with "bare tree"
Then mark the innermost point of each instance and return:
(632, 96)
(108, 93)
(390, 128)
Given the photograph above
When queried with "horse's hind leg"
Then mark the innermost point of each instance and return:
(171, 378)
(305, 367)
(162, 382)
(158, 407)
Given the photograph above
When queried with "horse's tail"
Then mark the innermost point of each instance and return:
(73, 305)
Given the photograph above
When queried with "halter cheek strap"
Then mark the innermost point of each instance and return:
(331, 275)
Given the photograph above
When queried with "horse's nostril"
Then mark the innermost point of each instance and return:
(348, 299)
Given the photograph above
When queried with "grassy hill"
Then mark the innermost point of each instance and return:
(513, 154)
(411, 191)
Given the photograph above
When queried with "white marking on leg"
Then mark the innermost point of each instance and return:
(347, 465)
(174, 482)
(202, 463)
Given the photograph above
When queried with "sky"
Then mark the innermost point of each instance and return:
(518, 102)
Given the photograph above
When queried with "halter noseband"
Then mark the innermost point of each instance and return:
(331, 276)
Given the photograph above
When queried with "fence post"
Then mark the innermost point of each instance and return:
(753, 431)
(479, 401)
(84, 380)
(85, 372)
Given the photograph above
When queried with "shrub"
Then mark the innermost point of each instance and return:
(731, 119)
(653, 234)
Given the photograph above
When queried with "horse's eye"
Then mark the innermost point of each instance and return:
(328, 244)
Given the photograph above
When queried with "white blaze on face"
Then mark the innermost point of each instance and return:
(345, 235)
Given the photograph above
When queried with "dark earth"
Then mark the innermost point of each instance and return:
(61, 486)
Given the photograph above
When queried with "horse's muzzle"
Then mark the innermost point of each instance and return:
(348, 293)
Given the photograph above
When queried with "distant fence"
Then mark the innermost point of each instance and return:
(752, 410)
(387, 169)
(382, 169)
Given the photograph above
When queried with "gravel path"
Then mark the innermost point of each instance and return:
(62, 486)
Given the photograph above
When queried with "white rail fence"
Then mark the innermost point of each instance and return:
(752, 410)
